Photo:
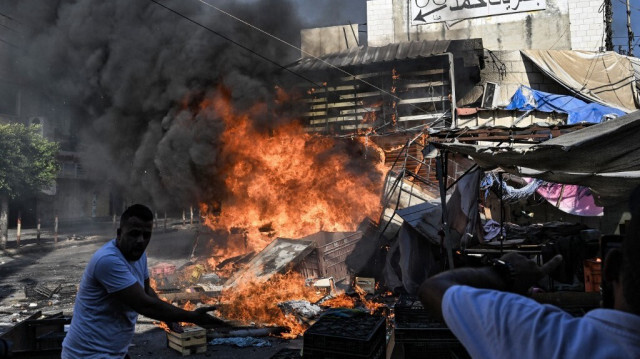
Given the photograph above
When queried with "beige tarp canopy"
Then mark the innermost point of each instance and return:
(607, 78)
(604, 157)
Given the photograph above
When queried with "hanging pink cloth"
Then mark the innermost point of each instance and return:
(572, 199)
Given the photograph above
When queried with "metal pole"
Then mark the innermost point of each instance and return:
(629, 30)
(184, 218)
(346, 41)
(38, 231)
(190, 214)
(441, 168)
(501, 213)
(55, 230)
(18, 231)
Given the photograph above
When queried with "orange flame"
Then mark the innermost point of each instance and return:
(345, 301)
(369, 304)
(252, 301)
(341, 301)
(288, 181)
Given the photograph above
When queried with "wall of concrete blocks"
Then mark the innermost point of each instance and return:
(380, 22)
(587, 24)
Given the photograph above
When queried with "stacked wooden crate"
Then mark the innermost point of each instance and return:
(192, 341)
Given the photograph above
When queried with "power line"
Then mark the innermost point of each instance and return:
(590, 70)
(235, 43)
(7, 27)
(10, 44)
(625, 4)
(5, 15)
(305, 52)
(561, 36)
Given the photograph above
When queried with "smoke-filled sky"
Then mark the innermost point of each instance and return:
(131, 73)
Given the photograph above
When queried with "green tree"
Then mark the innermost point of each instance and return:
(27, 163)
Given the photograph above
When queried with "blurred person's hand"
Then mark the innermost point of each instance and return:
(525, 272)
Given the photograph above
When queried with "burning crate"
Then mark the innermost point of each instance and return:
(421, 335)
(192, 341)
(328, 257)
(346, 335)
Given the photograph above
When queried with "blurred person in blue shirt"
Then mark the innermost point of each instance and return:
(487, 311)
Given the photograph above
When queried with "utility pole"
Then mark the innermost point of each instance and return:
(629, 30)
(608, 19)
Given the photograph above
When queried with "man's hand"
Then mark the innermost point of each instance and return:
(203, 319)
(526, 272)
(175, 327)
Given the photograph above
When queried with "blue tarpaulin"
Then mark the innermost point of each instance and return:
(527, 99)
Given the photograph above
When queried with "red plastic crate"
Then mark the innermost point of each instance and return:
(592, 275)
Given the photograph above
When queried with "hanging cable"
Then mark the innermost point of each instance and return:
(235, 43)
(304, 52)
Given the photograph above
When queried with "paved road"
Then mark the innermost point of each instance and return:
(61, 264)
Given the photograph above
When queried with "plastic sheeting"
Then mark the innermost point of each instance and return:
(604, 157)
(509, 194)
(242, 342)
(572, 199)
(527, 99)
(607, 78)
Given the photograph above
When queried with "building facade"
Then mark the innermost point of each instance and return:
(503, 25)
(74, 195)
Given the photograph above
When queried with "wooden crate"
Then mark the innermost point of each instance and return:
(192, 341)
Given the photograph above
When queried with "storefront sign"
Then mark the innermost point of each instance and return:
(430, 11)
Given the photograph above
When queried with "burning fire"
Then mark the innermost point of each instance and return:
(341, 301)
(287, 182)
(252, 301)
(345, 301)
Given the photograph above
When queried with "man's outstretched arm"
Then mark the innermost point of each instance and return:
(147, 303)
(524, 274)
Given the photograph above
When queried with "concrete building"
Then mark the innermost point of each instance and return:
(74, 195)
(501, 24)
(505, 27)
(502, 27)
(320, 41)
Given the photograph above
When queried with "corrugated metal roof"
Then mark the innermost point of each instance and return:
(604, 157)
(364, 55)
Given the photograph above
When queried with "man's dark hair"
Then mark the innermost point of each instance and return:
(137, 210)
(631, 256)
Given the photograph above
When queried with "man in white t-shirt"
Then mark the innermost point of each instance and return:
(115, 288)
(486, 310)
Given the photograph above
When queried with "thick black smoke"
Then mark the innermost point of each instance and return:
(125, 69)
